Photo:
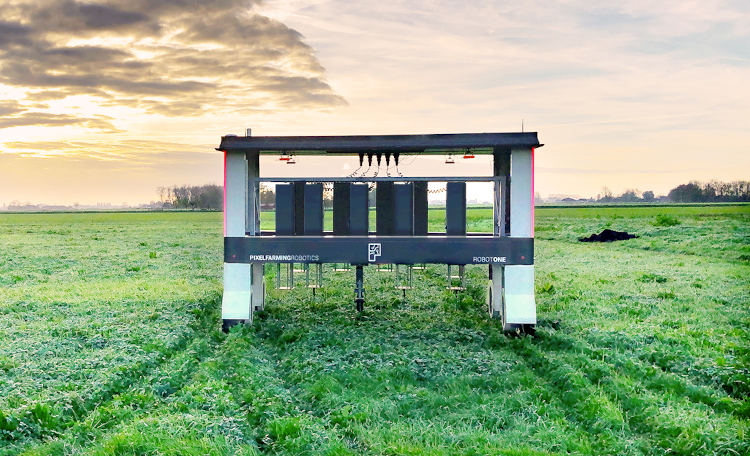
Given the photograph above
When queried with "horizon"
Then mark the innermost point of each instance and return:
(107, 101)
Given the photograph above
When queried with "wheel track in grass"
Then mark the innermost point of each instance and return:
(278, 352)
(678, 359)
(227, 360)
(271, 403)
(662, 378)
(576, 393)
(575, 422)
(76, 410)
(582, 399)
(642, 414)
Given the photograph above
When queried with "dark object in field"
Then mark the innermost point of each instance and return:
(608, 236)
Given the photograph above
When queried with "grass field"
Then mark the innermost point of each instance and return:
(110, 343)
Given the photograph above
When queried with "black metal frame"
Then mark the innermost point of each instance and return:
(392, 249)
(378, 143)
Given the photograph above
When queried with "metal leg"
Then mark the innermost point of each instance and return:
(461, 278)
(258, 286)
(359, 289)
(288, 284)
(402, 284)
(317, 277)
(495, 298)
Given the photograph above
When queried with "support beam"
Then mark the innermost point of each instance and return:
(236, 300)
(252, 226)
(501, 226)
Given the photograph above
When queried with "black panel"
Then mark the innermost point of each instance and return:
(420, 208)
(299, 208)
(384, 208)
(384, 249)
(501, 167)
(285, 209)
(314, 209)
(359, 209)
(455, 209)
(340, 208)
(403, 209)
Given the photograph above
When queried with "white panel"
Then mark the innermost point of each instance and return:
(520, 305)
(235, 304)
(521, 193)
(235, 189)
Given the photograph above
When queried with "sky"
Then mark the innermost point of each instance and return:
(105, 101)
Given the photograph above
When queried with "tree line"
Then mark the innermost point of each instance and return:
(195, 197)
(713, 191)
(211, 196)
(693, 192)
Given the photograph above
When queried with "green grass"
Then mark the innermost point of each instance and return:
(110, 344)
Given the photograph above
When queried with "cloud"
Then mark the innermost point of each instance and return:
(123, 154)
(9, 107)
(176, 58)
(12, 33)
(13, 114)
(67, 15)
(51, 120)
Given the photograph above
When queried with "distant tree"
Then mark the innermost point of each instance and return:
(711, 191)
(208, 197)
(606, 195)
(267, 197)
(205, 197)
(648, 196)
(628, 196)
(686, 193)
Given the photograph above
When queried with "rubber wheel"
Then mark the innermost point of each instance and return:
(226, 324)
(520, 329)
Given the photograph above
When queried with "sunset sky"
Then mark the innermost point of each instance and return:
(105, 101)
